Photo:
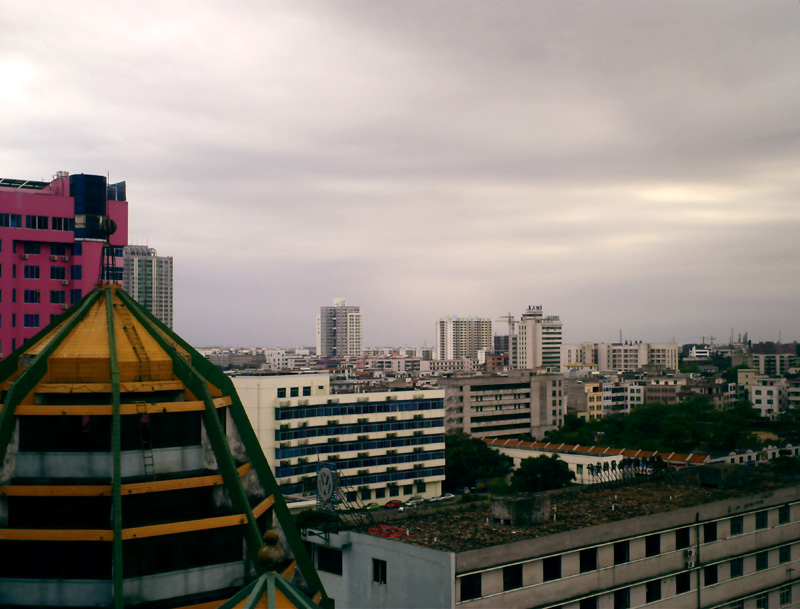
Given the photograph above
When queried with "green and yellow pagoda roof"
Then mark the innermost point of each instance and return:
(119, 441)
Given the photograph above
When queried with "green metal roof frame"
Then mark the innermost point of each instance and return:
(194, 374)
(267, 582)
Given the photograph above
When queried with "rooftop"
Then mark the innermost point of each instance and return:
(468, 527)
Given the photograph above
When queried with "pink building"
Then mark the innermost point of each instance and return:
(51, 246)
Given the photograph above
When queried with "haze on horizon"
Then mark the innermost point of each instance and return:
(627, 165)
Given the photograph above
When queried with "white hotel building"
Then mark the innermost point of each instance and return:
(385, 444)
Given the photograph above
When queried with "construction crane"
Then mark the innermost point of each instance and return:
(511, 324)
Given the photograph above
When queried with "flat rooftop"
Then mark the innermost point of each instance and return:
(463, 527)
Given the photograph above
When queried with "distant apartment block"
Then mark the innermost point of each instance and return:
(505, 406)
(384, 444)
(339, 330)
(51, 248)
(460, 337)
(769, 396)
(148, 278)
(537, 343)
(621, 357)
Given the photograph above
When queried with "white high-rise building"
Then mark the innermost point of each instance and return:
(339, 330)
(147, 277)
(460, 337)
(538, 341)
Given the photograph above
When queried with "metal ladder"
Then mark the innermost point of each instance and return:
(146, 440)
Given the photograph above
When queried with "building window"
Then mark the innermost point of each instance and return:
(785, 554)
(294, 392)
(421, 487)
(786, 596)
(711, 575)
(588, 560)
(394, 491)
(58, 297)
(653, 591)
(366, 494)
(31, 248)
(58, 272)
(737, 567)
(551, 568)
(762, 519)
(652, 544)
(621, 552)
(408, 489)
(762, 561)
(737, 525)
(31, 296)
(588, 603)
(784, 514)
(31, 320)
(682, 538)
(37, 222)
(622, 598)
(380, 493)
(512, 577)
(306, 391)
(74, 296)
(58, 249)
(471, 586)
(378, 571)
(31, 271)
(710, 532)
(329, 560)
(281, 392)
(762, 602)
(683, 582)
(76, 273)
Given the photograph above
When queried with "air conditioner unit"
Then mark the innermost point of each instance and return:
(64, 307)
(54, 258)
(65, 258)
(689, 553)
(64, 282)
(24, 256)
(690, 564)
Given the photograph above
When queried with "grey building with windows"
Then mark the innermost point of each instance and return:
(738, 552)
(339, 330)
(148, 278)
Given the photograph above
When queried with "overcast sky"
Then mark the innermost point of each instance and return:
(627, 165)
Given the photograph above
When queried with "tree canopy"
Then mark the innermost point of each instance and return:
(469, 459)
(691, 426)
(541, 474)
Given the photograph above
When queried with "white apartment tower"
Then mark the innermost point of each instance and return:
(339, 330)
(147, 277)
(538, 341)
(460, 337)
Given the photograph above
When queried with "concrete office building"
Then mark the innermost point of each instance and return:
(621, 357)
(538, 341)
(339, 330)
(148, 278)
(51, 246)
(646, 545)
(384, 444)
(460, 337)
(505, 406)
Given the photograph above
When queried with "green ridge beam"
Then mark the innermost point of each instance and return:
(257, 593)
(255, 453)
(35, 371)
(216, 435)
(116, 457)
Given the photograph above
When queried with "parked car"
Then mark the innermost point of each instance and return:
(393, 504)
(415, 501)
(372, 506)
(447, 497)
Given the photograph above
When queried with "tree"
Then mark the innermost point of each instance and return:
(541, 474)
(469, 459)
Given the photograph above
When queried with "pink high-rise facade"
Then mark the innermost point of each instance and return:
(51, 248)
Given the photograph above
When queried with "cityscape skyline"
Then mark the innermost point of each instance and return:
(630, 167)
